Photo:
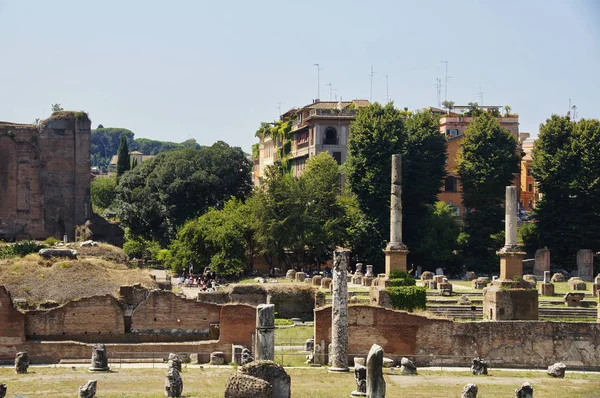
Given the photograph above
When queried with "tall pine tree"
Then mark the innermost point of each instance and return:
(123, 157)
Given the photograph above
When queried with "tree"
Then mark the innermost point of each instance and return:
(57, 108)
(566, 167)
(123, 162)
(507, 109)
(377, 133)
(439, 242)
(487, 163)
(448, 105)
(222, 239)
(103, 191)
(161, 194)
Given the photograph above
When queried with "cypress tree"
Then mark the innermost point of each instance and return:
(123, 157)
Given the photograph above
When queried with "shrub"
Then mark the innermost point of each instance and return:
(51, 241)
(407, 297)
(24, 248)
(398, 274)
(135, 247)
(401, 278)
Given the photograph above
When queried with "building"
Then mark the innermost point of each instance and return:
(134, 156)
(322, 126)
(45, 177)
(529, 194)
(453, 125)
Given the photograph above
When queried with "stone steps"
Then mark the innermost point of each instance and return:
(466, 312)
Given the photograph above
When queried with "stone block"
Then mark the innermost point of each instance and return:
(395, 260)
(326, 283)
(359, 361)
(469, 391)
(511, 264)
(408, 367)
(585, 264)
(507, 303)
(388, 363)
(242, 385)
(481, 282)
(316, 280)
(469, 276)
(431, 285)
(558, 277)
(547, 289)
(290, 274)
(300, 276)
(309, 345)
(439, 279)
(425, 276)
(576, 283)
(367, 280)
(574, 299)
(272, 373)
(542, 262)
(217, 358)
(63, 253)
(357, 279)
(557, 370)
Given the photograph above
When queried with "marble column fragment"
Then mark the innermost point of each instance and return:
(375, 381)
(339, 313)
(265, 332)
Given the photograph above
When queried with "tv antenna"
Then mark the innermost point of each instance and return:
(331, 90)
(387, 89)
(318, 80)
(480, 96)
(371, 91)
(446, 82)
(279, 109)
(438, 87)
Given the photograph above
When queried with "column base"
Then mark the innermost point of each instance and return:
(395, 259)
(338, 370)
(511, 264)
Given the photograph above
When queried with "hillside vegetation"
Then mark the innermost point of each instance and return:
(98, 271)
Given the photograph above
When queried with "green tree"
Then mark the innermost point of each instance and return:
(377, 133)
(57, 108)
(487, 163)
(448, 105)
(221, 239)
(566, 167)
(103, 191)
(439, 242)
(123, 162)
(161, 194)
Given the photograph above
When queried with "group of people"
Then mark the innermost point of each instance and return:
(205, 282)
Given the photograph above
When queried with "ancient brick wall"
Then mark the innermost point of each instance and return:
(88, 319)
(12, 322)
(438, 341)
(165, 312)
(238, 322)
(45, 177)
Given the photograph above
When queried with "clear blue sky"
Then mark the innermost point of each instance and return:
(213, 70)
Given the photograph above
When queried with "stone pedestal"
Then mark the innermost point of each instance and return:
(357, 279)
(367, 280)
(395, 259)
(596, 286)
(316, 280)
(509, 300)
(574, 299)
(339, 313)
(511, 264)
(547, 289)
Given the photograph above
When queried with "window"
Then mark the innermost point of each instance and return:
(452, 132)
(450, 184)
(528, 172)
(530, 188)
(303, 137)
(330, 136)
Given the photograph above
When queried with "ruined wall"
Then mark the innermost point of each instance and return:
(438, 341)
(165, 312)
(45, 177)
(87, 319)
(12, 322)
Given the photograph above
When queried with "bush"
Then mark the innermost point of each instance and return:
(401, 278)
(407, 297)
(51, 241)
(135, 247)
(24, 248)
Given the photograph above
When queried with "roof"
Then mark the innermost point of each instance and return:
(336, 104)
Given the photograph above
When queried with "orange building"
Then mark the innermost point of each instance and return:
(453, 125)
(529, 195)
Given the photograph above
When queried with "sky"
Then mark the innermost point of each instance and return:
(214, 70)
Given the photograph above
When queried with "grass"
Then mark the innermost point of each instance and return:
(37, 279)
(308, 382)
(296, 334)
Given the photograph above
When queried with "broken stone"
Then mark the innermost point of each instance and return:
(360, 375)
(426, 276)
(99, 359)
(217, 358)
(557, 370)
(300, 276)
(481, 282)
(326, 283)
(469, 391)
(316, 280)
(194, 358)
(243, 386)
(310, 359)
(88, 390)
(407, 367)
(359, 361)
(265, 332)
(49, 253)
(246, 356)
(290, 274)
(576, 284)
(174, 362)
(525, 391)
(469, 276)
(585, 264)
(558, 277)
(88, 243)
(309, 345)
(173, 383)
(574, 299)
(375, 380)
(530, 278)
(479, 366)
(3, 390)
(388, 363)
(21, 362)
(273, 373)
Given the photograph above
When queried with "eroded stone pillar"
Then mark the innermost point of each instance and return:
(542, 262)
(339, 313)
(396, 251)
(265, 332)
(511, 256)
(375, 380)
(585, 265)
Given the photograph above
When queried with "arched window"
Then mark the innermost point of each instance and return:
(330, 137)
(450, 184)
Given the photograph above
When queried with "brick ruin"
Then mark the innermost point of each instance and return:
(45, 177)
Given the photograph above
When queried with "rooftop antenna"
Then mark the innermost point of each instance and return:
(387, 89)
(279, 109)
(480, 95)
(330, 90)
(438, 87)
(371, 92)
(318, 80)
(446, 82)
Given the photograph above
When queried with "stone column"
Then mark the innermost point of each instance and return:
(375, 380)
(511, 256)
(339, 313)
(542, 262)
(265, 332)
(396, 251)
